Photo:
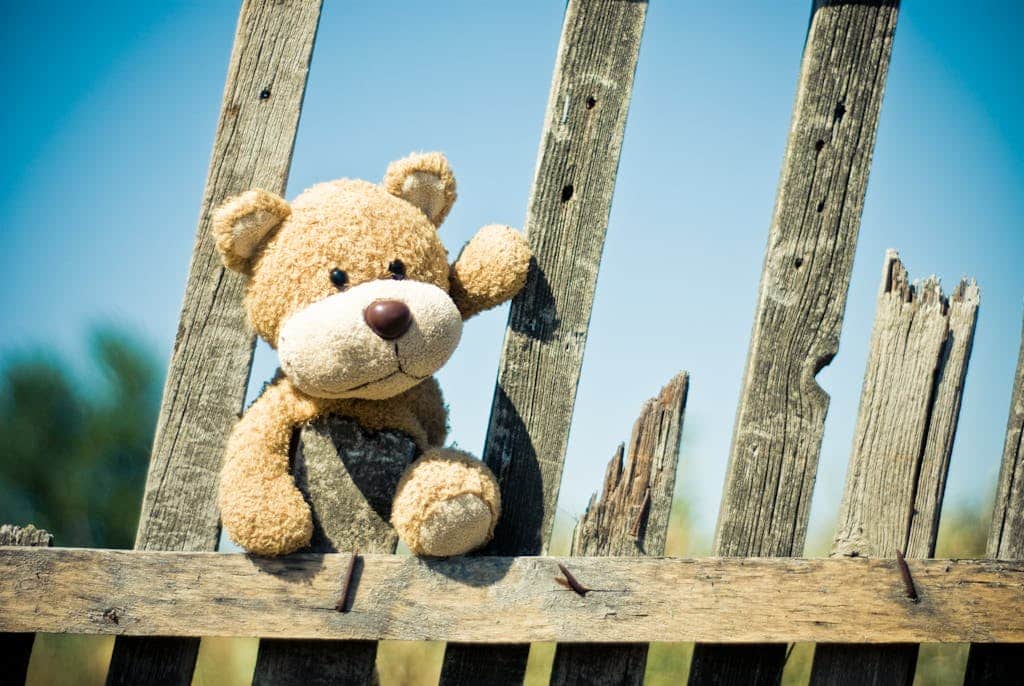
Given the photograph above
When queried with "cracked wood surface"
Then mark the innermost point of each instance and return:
(547, 330)
(910, 402)
(801, 300)
(996, 664)
(497, 599)
(16, 648)
(209, 368)
(630, 519)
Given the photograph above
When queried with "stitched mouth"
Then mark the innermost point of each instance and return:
(386, 377)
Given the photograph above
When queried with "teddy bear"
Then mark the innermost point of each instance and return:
(351, 284)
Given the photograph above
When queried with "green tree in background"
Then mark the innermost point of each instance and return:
(74, 450)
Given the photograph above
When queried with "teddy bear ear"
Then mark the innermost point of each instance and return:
(241, 223)
(426, 181)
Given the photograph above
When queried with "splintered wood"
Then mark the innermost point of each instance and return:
(631, 516)
(629, 519)
(910, 403)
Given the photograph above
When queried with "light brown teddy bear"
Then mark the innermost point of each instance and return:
(352, 286)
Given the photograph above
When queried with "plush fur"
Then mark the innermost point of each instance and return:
(315, 266)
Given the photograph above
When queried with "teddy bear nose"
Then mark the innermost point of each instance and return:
(389, 319)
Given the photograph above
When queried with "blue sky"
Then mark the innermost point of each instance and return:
(109, 118)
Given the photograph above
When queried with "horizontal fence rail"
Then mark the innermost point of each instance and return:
(502, 599)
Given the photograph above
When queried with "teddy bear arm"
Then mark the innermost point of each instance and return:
(261, 508)
(491, 269)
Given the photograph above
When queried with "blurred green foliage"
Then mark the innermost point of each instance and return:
(75, 447)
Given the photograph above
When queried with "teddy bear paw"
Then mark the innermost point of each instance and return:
(447, 503)
(268, 521)
(455, 526)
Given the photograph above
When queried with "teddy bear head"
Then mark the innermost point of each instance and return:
(349, 282)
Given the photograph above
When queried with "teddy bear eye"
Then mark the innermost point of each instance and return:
(339, 278)
(397, 269)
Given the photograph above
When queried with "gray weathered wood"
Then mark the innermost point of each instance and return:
(348, 476)
(209, 367)
(498, 599)
(1005, 663)
(16, 648)
(630, 519)
(547, 330)
(910, 403)
(11, 535)
(801, 301)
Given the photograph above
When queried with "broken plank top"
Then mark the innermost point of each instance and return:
(630, 518)
(910, 402)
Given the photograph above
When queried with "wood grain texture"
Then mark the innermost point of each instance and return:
(16, 648)
(11, 535)
(801, 300)
(547, 330)
(209, 368)
(987, 664)
(910, 403)
(499, 599)
(348, 477)
(630, 519)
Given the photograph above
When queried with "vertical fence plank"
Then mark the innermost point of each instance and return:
(801, 300)
(348, 476)
(16, 649)
(209, 367)
(547, 330)
(630, 519)
(910, 403)
(995, 663)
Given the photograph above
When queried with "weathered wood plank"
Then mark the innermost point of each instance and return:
(910, 402)
(630, 519)
(1005, 663)
(16, 648)
(209, 368)
(547, 330)
(499, 599)
(348, 477)
(801, 301)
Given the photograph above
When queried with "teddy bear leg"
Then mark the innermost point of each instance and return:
(447, 503)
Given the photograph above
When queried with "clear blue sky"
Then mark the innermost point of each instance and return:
(110, 110)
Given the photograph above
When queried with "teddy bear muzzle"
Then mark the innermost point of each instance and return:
(371, 341)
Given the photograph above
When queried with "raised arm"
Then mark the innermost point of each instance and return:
(260, 506)
(491, 269)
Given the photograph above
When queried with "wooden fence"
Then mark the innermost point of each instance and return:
(866, 605)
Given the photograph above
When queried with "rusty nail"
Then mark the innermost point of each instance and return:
(342, 604)
(571, 582)
(908, 581)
